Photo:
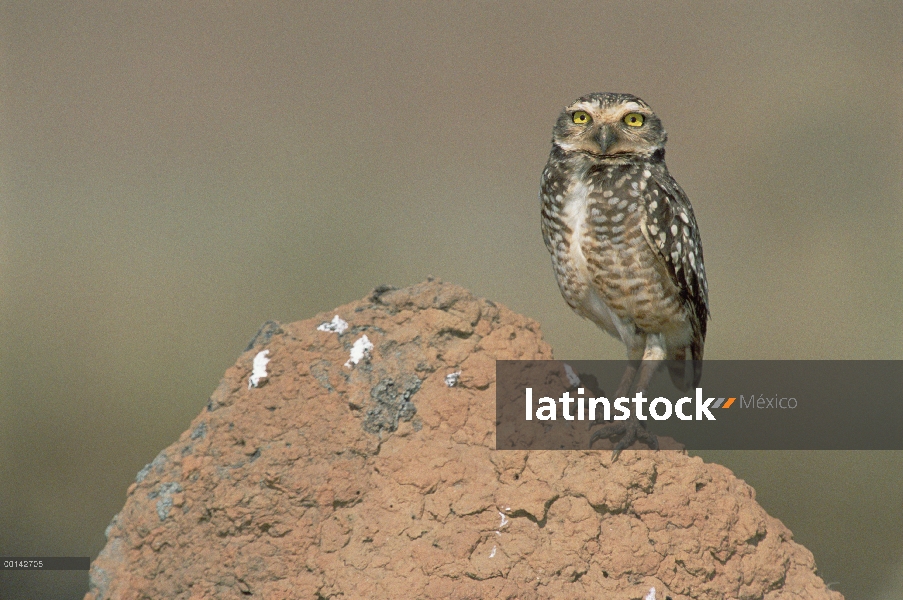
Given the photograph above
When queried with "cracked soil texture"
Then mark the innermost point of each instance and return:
(379, 480)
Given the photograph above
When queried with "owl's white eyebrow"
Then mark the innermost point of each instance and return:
(584, 106)
(633, 107)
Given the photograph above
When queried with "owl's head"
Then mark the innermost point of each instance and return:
(610, 125)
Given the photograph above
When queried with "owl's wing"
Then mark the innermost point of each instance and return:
(550, 186)
(670, 229)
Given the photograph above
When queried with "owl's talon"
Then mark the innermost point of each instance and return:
(631, 430)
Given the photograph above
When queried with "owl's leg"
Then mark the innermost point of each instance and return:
(633, 365)
(633, 429)
(653, 356)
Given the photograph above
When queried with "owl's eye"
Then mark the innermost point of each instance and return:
(634, 119)
(580, 118)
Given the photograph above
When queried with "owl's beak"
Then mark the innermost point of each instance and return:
(605, 137)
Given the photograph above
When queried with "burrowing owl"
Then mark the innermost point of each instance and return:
(624, 241)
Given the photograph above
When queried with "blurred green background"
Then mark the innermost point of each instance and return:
(174, 174)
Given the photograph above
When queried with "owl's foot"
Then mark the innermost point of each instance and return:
(631, 430)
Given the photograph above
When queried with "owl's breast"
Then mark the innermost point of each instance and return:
(606, 269)
(575, 250)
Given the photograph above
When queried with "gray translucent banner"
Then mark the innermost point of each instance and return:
(739, 405)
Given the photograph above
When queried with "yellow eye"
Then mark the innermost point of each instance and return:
(634, 119)
(580, 118)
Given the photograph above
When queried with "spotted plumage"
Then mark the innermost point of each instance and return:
(623, 238)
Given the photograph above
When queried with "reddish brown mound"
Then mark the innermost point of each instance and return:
(380, 481)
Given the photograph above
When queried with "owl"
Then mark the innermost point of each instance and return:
(624, 241)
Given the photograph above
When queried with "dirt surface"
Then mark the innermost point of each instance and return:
(380, 480)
